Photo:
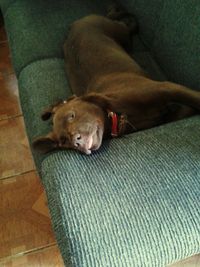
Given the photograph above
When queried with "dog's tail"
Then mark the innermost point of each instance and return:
(118, 12)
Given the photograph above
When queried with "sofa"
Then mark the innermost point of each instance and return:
(135, 202)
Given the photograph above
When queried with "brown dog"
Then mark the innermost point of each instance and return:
(114, 95)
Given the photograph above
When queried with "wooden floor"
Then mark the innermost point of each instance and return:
(26, 236)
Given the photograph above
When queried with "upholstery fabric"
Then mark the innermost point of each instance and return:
(170, 29)
(147, 14)
(5, 5)
(39, 27)
(176, 43)
(135, 202)
(47, 79)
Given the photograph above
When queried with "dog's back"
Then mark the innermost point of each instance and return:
(96, 47)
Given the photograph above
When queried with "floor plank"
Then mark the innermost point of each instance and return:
(10, 105)
(49, 257)
(15, 156)
(189, 262)
(24, 218)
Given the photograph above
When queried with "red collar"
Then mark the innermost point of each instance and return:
(114, 118)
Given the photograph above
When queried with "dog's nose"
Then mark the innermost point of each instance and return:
(83, 142)
(77, 139)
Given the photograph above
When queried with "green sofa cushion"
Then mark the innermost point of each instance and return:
(134, 203)
(147, 14)
(41, 84)
(39, 27)
(5, 5)
(170, 29)
(176, 44)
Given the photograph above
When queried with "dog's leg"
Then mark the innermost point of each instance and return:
(179, 101)
(114, 29)
(180, 94)
(161, 102)
(176, 112)
(118, 13)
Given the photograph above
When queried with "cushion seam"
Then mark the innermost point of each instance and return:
(18, 73)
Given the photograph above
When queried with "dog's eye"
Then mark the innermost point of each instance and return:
(71, 116)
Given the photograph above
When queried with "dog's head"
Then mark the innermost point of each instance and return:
(78, 123)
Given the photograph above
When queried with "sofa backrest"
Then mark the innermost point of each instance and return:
(171, 31)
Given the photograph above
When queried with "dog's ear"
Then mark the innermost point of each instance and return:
(48, 112)
(44, 144)
(71, 98)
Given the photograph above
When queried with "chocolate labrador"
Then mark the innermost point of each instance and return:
(114, 96)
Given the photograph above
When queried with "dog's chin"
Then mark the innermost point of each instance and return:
(95, 141)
